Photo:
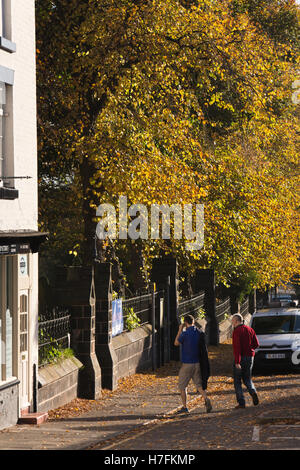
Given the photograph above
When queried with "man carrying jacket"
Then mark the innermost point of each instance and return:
(244, 343)
(195, 363)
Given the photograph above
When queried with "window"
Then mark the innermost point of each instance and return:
(273, 325)
(6, 316)
(5, 19)
(6, 27)
(297, 324)
(7, 181)
(2, 18)
(2, 130)
(23, 323)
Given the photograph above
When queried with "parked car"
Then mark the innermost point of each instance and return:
(278, 333)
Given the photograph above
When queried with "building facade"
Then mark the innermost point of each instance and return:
(19, 236)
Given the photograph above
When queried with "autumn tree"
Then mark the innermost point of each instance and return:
(174, 102)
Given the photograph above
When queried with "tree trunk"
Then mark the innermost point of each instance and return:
(87, 170)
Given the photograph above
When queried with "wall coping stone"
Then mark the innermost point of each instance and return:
(129, 337)
(51, 372)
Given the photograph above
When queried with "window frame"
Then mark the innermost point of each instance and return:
(6, 42)
(4, 260)
(7, 189)
(2, 131)
(264, 320)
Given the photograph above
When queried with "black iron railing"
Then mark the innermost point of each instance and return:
(141, 306)
(54, 334)
(193, 306)
(223, 310)
(244, 308)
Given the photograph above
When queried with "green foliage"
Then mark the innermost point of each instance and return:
(200, 314)
(243, 286)
(52, 352)
(131, 319)
(49, 354)
(67, 353)
(115, 295)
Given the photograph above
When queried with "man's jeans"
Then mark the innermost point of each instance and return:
(244, 374)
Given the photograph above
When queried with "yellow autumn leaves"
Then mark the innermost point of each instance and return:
(182, 104)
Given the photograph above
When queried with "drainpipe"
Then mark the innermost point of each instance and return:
(153, 329)
(35, 389)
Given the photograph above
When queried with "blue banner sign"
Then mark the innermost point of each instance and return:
(117, 317)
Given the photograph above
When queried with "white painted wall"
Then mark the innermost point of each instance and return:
(21, 214)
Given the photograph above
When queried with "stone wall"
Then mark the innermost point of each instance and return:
(58, 384)
(133, 350)
(74, 289)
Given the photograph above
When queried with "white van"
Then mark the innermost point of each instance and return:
(278, 333)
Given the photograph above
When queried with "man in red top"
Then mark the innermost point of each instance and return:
(244, 343)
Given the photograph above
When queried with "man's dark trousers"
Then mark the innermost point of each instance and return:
(244, 374)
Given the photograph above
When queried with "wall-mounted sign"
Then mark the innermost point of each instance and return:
(18, 249)
(117, 317)
(24, 265)
(4, 249)
(23, 248)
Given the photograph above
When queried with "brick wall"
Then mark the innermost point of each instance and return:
(133, 350)
(58, 384)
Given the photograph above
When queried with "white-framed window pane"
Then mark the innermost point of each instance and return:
(1, 315)
(6, 316)
(1, 18)
(1, 145)
(2, 129)
(2, 93)
(5, 18)
(9, 319)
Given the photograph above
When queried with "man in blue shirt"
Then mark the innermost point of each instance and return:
(193, 351)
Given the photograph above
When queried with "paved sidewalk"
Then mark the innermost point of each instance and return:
(265, 427)
(155, 395)
(148, 398)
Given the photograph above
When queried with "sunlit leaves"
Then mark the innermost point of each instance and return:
(169, 104)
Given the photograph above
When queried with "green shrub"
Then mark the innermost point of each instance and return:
(200, 315)
(131, 320)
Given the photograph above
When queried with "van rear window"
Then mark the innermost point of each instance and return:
(276, 324)
(297, 324)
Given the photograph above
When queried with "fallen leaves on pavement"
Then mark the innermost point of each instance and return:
(167, 376)
(139, 385)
